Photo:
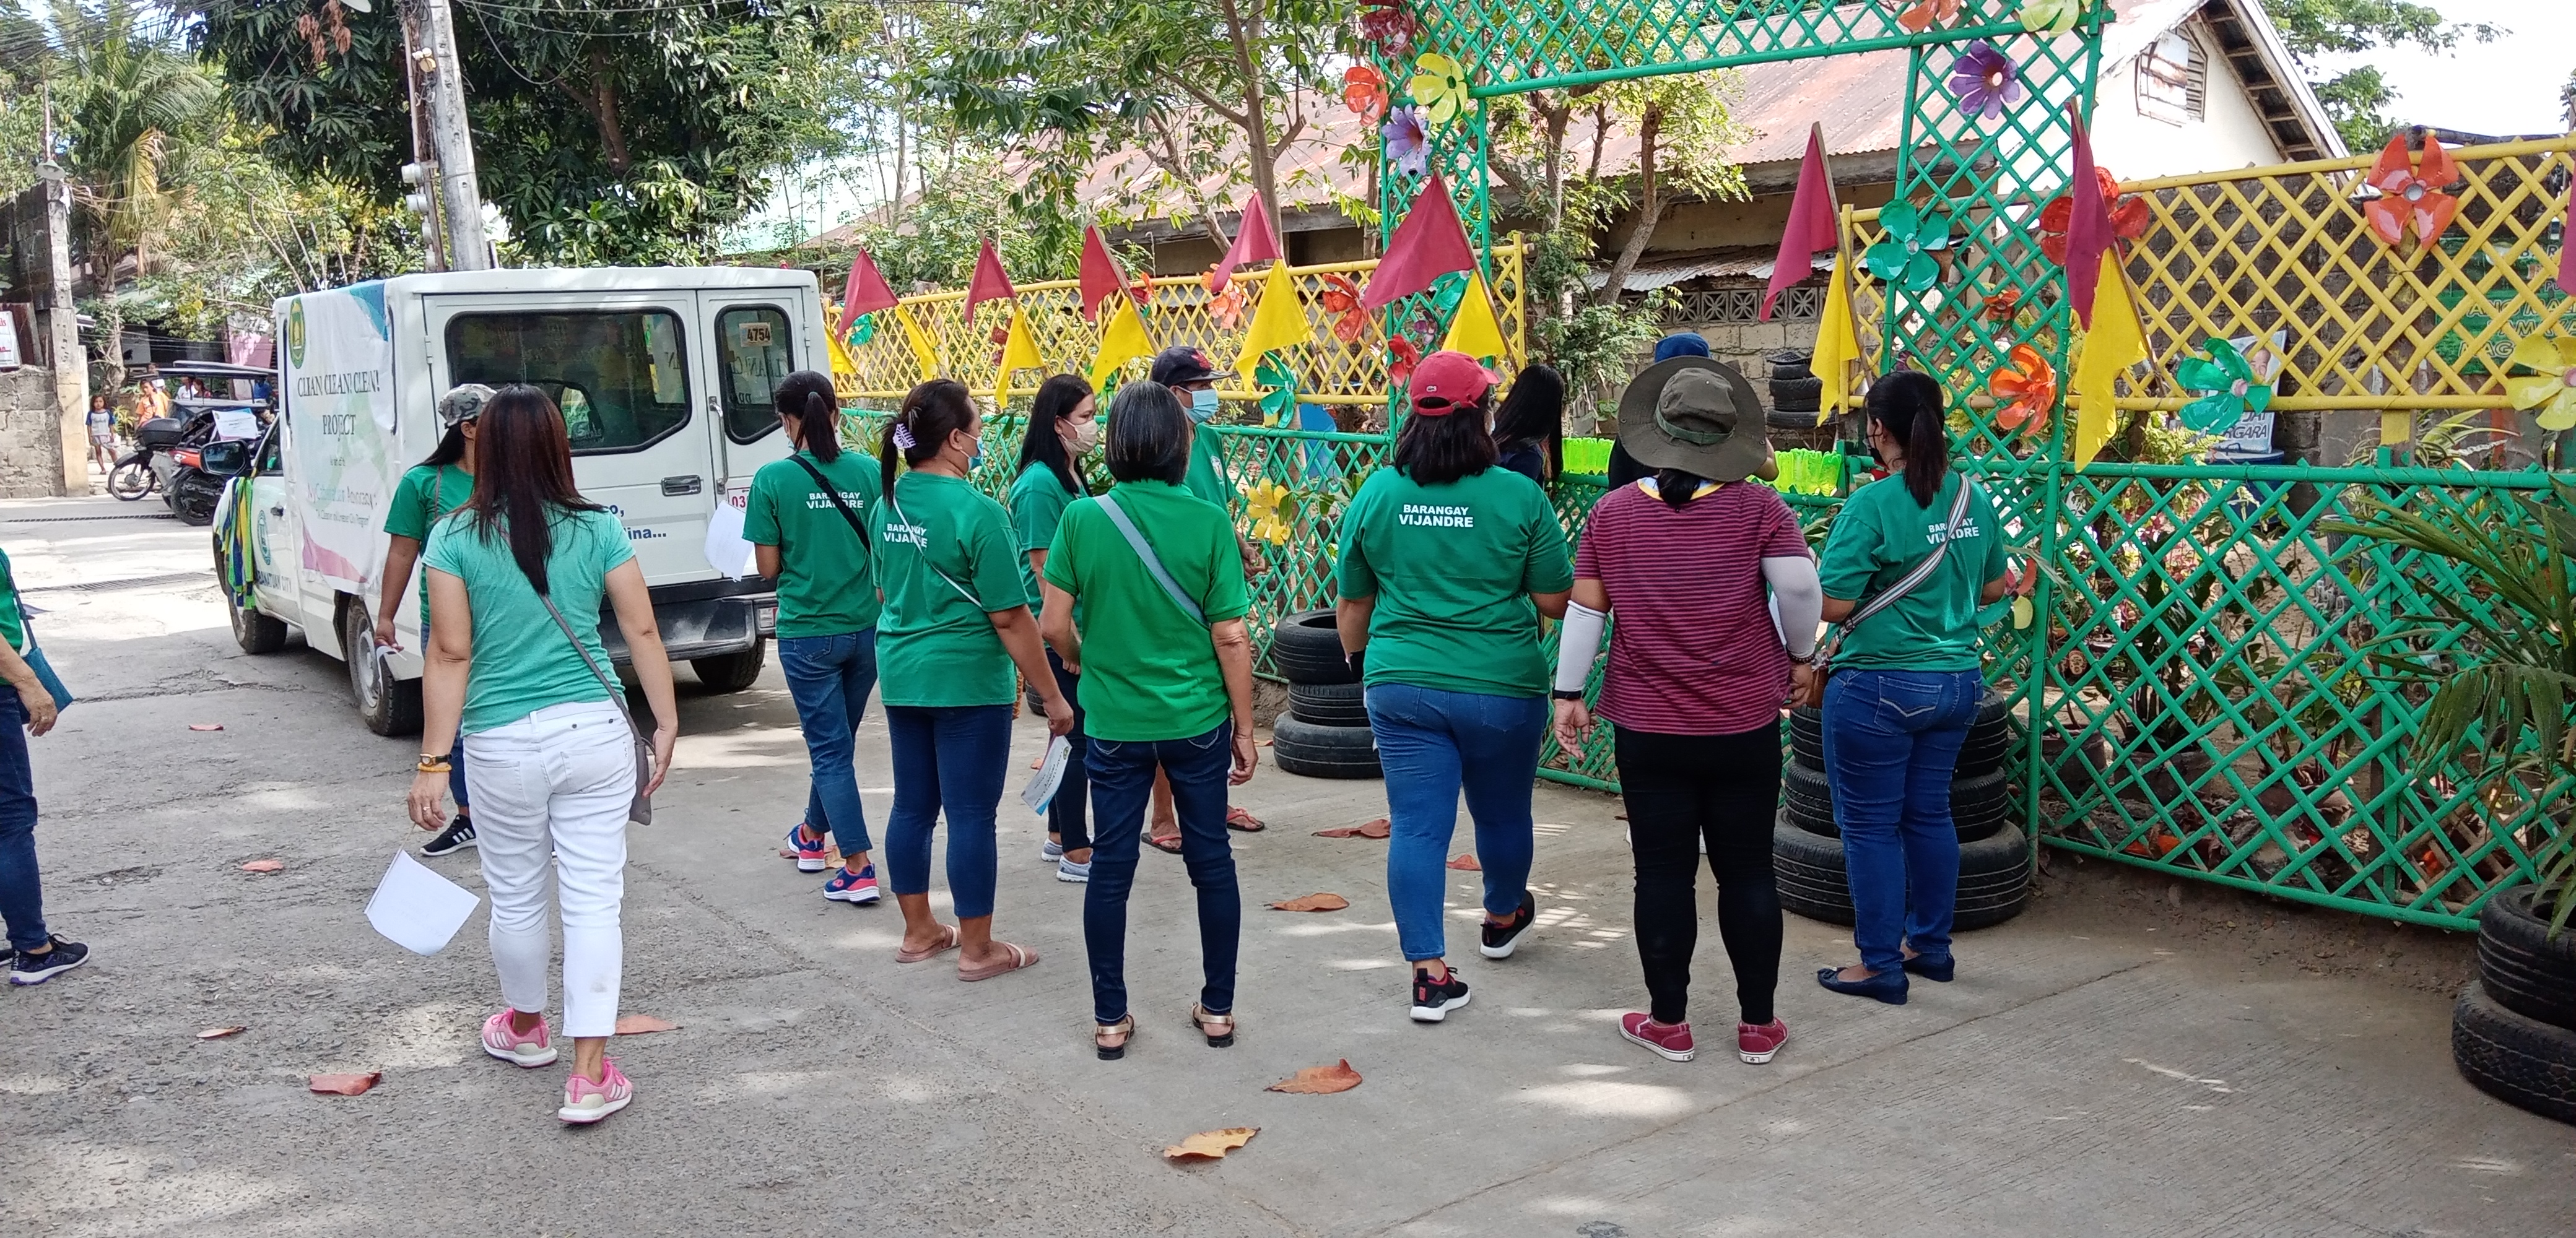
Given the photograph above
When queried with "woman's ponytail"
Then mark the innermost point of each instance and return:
(921, 425)
(822, 436)
(808, 396)
(1906, 404)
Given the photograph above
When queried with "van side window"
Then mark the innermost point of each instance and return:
(620, 376)
(752, 358)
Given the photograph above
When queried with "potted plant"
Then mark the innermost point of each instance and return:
(2500, 667)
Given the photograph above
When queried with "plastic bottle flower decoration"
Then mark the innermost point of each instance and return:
(1341, 299)
(1440, 85)
(1919, 17)
(2030, 384)
(1266, 502)
(1408, 144)
(2229, 386)
(862, 331)
(1387, 24)
(1364, 91)
(1986, 80)
(2410, 193)
(2552, 391)
(1402, 355)
(2130, 217)
(2051, 16)
(1225, 308)
(1279, 394)
(1905, 258)
(2002, 304)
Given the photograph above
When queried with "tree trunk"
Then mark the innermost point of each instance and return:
(1650, 206)
(1245, 31)
(598, 97)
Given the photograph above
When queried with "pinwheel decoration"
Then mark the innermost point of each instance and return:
(1279, 395)
(1905, 258)
(1920, 16)
(1226, 308)
(2411, 197)
(1364, 91)
(2551, 392)
(2029, 384)
(2229, 386)
(2051, 16)
(1440, 85)
(1267, 503)
(1986, 80)
(1341, 299)
(2130, 217)
(1408, 143)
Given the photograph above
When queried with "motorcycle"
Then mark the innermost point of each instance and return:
(145, 469)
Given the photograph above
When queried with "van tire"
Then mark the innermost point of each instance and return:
(1324, 751)
(254, 630)
(388, 706)
(732, 672)
(1307, 649)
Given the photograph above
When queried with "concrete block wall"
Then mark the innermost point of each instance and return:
(31, 439)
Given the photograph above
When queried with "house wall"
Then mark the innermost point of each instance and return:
(31, 440)
(2136, 146)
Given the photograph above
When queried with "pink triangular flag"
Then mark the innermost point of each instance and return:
(2088, 228)
(1429, 243)
(866, 293)
(1253, 242)
(1811, 229)
(989, 283)
(1101, 278)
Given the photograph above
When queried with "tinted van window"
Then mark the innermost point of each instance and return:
(618, 375)
(752, 358)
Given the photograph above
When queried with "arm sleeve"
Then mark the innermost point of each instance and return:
(438, 550)
(1546, 570)
(1060, 565)
(1226, 597)
(1579, 643)
(1799, 597)
(409, 515)
(991, 557)
(615, 550)
(1785, 537)
(1036, 509)
(1995, 548)
(1356, 579)
(760, 513)
(1851, 553)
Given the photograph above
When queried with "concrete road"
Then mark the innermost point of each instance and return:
(2085, 1074)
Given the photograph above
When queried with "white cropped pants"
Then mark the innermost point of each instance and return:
(560, 779)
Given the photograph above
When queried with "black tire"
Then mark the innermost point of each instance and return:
(1994, 877)
(1988, 744)
(193, 496)
(2523, 968)
(388, 706)
(1807, 737)
(1808, 869)
(1994, 880)
(1324, 751)
(1797, 394)
(131, 479)
(1808, 799)
(1979, 806)
(1790, 363)
(1985, 751)
(1306, 649)
(1329, 704)
(732, 672)
(255, 632)
(2521, 1061)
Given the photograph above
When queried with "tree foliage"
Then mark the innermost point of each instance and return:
(2358, 98)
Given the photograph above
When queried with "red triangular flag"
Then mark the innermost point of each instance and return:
(2088, 226)
(1253, 242)
(1812, 228)
(1101, 277)
(866, 293)
(989, 283)
(1429, 243)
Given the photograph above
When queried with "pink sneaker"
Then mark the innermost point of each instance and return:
(531, 1049)
(1671, 1040)
(1756, 1043)
(586, 1102)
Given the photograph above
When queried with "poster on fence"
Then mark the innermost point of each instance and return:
(2250, 442)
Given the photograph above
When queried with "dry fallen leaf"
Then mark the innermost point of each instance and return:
(1466, 863)
(1374, 829)
(1313, 902)
(263, 866)
(346, 1085)
(205, 726)
(218, 1033)
(786, 854)
(1319, 1080)
(638, 1024)
(1211, 1145)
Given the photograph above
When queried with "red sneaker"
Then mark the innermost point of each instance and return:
(1756, 1043)
(1671, 1040)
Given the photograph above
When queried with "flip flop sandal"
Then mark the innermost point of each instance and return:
(1169, 846)
(1238, 820)
(1021, 956)
(917, 956)
(1124, 1029)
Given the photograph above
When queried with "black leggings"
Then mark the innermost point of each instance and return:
(1680, 790)
(1065, 812)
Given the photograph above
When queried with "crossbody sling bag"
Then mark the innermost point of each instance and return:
(1896, 591)
(920, 543)
(1153, 564)
(639, 811)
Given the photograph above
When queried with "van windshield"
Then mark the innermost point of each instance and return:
(616, 374)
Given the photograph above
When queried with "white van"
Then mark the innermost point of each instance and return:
(664, 378)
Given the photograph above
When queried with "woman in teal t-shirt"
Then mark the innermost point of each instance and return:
(956, 621)
(516, 580)
(427, 492)
(1063, 425)
(1905, 686)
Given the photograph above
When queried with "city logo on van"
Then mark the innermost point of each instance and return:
(295, 333)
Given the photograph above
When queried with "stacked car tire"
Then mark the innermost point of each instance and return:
(1325, 733)
(1794, 387)
(1994, 856)
(2513, 1033)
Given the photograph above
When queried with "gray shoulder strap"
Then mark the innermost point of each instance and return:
(1136, 541)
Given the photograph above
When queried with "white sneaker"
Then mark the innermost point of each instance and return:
(586, 1102)
(1072, 873)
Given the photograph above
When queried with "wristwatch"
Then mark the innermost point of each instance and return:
(1809, 660)
(1567, 694)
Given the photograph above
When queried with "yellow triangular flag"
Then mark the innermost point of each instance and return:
(923, 354)
(1019, 352)
(1837, 344)
(2110, 348)
(845, 368)
(1279, 322)
(1122, 339)
(1474, 330)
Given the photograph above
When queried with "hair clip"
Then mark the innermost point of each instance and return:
(903, 439)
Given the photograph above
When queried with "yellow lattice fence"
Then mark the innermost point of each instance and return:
(1178, 310)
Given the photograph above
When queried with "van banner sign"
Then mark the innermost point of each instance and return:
(340, 417)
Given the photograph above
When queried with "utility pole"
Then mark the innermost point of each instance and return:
(441, 78)
(420, 176)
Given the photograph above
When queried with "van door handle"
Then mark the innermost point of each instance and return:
(682, 485)
(277, 511)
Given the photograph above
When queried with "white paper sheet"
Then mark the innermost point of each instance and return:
(1041, 789)
(417, 909)
(727, 551)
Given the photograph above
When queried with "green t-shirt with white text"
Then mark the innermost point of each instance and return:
(1452, 567)
(1038, 500)
(827, 583)
(521, 661)
(1149, 670)
(935, 642)
(424, 496)
(1881, 534)
(1206, 479)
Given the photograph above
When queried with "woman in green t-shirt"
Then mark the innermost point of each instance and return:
(427, 492)
(956, 621)
(1905, 685)
(1447, 563)
(1063, 424)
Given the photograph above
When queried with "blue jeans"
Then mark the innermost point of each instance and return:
(1064, 812)
(1432, 743)
(830, 677)
(952, 758)
(1122, 779)
(22, 895)
(1892, 739)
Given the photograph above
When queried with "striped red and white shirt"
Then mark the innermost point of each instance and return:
(1693, 649)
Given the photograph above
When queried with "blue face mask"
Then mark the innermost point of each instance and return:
(1202, 404)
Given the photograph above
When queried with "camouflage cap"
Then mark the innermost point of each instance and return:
(463, 402)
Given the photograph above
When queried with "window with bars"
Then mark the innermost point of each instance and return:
(2173, 79)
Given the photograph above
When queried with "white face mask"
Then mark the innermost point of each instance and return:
(1203, 404)
(1082, 436)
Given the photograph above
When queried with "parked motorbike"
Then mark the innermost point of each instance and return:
(169, 448)
(137, 474)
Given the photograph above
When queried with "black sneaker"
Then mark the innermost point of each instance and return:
(1434, 999)
(39, 968)
(458, 835)
(1502, 939)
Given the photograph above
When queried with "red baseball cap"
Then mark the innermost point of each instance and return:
(1446, 381)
